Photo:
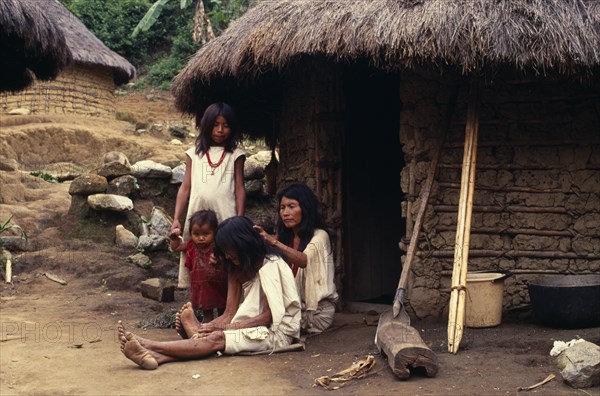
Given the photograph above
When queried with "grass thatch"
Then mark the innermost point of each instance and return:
(31, 46)
(85, 47)
(468, 35)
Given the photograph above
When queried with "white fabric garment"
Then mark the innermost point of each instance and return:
(275, 282)
(316, 283)
(209, 191)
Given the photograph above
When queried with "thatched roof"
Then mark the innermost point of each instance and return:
(30, 45)
(85, 47)
(467, 35)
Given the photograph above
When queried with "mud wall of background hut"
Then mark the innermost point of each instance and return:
(537, 188)
(311, 142)
(79, 90)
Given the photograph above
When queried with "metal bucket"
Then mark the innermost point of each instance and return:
(566, 301)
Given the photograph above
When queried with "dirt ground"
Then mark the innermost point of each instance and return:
(60, 339)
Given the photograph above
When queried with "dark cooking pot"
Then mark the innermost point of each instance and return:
(566, 301)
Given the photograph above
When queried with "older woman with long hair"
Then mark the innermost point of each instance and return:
(305, 246)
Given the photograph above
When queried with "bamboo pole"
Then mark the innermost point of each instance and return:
(456, 317)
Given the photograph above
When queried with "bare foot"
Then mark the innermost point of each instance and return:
(188, 320)
(133, 350)
(178, 325)
(139, 355)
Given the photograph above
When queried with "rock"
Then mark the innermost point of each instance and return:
(158, 289)
(125, 238)
(19, 111)
(175, 142)
(79, 206)
(123, 185)
(141, 260)
(254, 188)
(580, 365)
(177, 175)
(254, 167)
(13, 243)
(64, 171)
(151, 243)
(88, 184)
(150, 169)
(114, 169)
(110, 202)
(115, 156)
(160, 221)
(178, 131)
(8, 164)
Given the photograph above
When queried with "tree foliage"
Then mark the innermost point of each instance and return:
(161, 48)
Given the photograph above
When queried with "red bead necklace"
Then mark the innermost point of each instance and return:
(215, 166)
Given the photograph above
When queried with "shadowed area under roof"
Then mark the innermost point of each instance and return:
(31, 45)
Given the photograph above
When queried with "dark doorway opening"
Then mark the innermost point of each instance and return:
(373, 159)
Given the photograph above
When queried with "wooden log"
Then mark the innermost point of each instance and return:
(538, 143)
(8, 271)
(404, 347)
(511, 188)
(503, 209)
(512, 253)
(510, 231)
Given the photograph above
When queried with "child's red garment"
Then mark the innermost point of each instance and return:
(208, 288)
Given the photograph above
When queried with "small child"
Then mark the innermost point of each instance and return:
(208, 290)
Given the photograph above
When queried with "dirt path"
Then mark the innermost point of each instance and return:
(57, 339)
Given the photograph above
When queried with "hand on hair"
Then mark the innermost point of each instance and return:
(270, 239)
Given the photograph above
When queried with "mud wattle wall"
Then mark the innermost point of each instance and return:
(81, 90)
(537, 187)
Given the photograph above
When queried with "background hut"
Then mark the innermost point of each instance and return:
(87, 86)
(356, 93)
(31, 46)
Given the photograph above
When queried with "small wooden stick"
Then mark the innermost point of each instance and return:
(548, 379)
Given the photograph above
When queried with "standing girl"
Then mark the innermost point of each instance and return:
(214, 174)
(208, 290)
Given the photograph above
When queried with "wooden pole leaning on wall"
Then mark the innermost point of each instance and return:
(456, 315)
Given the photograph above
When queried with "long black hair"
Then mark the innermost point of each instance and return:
(311, 216)
(236, 235)
(206, 123)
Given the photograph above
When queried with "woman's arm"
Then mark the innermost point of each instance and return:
(288, 254)
(182, 197)
(234, 293)
(240, 190)
(262, 319)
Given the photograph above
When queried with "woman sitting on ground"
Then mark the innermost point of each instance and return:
(267, 318)
(305, 246)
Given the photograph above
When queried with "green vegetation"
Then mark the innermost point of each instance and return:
(163, 42)
(45, 176)
(7, 226)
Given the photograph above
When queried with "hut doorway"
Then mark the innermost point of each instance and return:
(373, 159)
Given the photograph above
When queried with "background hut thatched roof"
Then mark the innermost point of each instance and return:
(468, 35)
(30, 45)
(85, 47)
